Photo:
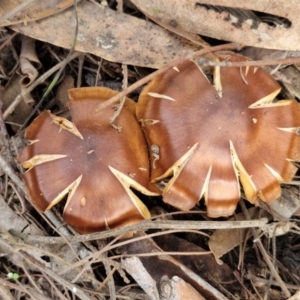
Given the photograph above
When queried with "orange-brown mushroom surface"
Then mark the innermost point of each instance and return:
(90, 161)
(209, 138)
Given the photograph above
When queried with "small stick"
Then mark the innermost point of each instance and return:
(20, 197)
(249, 63)
(81, 59)
(143, 226)
(4, 138)
(282, 285)
(76, 290)
(10, 172)
(164, 69)
(98, 75)
(38, 81)
(8, 40)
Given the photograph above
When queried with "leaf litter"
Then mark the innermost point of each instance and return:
(78, 265)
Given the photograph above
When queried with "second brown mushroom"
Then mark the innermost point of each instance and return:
(208, 138)
(88, 161)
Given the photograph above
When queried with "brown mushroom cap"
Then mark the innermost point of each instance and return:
(90, 161)
(210, 137)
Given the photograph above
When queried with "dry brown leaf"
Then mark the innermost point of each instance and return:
(203, 265)
(114, 37)
(19, 11)
(286, 205)
(159, 266)
(224, 240)
(172, 26)
(29, 62)
(292, 85)
(266, 54)
(62, 91)
(214, 21)
(21, 112)
(62, 96)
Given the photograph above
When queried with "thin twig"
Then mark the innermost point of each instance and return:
(20, 197)
(4, 138)
(238, 277)
(264, 254)
(72, 287)
(260, 280)
(171, 253)
(164, 69)
(143, 226)
(98, 75)
(5, 292)
(37, 82)
(57, 226)
(106, 281)
(93, 257)
(8, 40)
(81, 59)
(54, 287)
(20, 283)
(14, 286)
(112, 245)
(30, 279)
(252, 63)
(109, 280)
(6, 168)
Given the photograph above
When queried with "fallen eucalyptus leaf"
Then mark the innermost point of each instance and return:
(258, 23)
(18, 11)
(224, 240)
(112, 36)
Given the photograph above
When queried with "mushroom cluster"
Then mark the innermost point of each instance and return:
(89, 162)
(210, 137)
(204, 139)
